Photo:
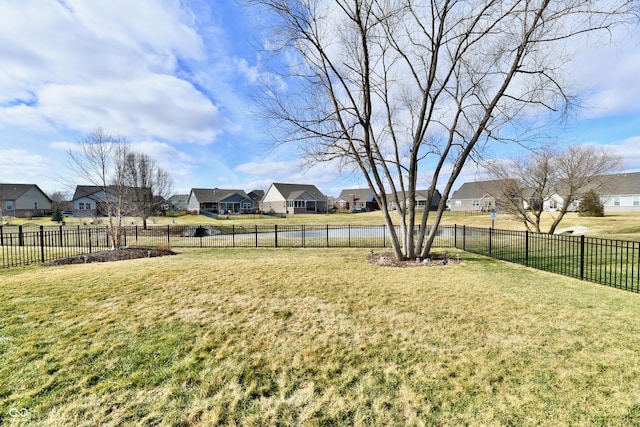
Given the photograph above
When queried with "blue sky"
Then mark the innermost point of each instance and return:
(176, 79)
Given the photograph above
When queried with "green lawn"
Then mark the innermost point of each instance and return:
(623, 226)
(313, 337)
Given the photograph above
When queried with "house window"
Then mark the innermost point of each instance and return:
(81, 206)
(616, 201)
(87, 205)
(476, 203)
(9, 206)
(636, 200)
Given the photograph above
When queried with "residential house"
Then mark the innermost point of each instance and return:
(422, 197)
(483, 196)
(293, 199)
(618, 193)
(621, 192)
(23, 201)
(177, 202)
(219, 201)
(256, 196)
(356, 199)
(89, 201)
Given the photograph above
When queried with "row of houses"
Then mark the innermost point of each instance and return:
(617, 192)
(620, 192)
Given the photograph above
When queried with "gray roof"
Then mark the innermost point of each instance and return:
(293, 191)
(179, 198)
(14, 191)
(479, 189)
(215, 195)
(619, 184)
(86, 190)
(364, 194)
(256, 195)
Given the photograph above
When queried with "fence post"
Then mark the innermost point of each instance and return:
(89, 234)
(327, 235)
(137, 234)
(349, 238)
(1, 236)
(20, 236)
(455, 236)
(42, 244)
(384, 236)
(275, 228)
(526, 248)
(582, 257)
(61, 244)
(233, 236)
(303, 232)
(490, 239)
(464, 237)
(256, 235)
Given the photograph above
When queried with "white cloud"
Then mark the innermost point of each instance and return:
(606, 75)
(79, 65)
(21, 166)
(154, 105)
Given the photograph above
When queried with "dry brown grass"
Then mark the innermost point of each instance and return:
(314, 337)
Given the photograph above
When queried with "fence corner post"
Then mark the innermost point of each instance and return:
(582, 257)
(526, 248)
(42, 244)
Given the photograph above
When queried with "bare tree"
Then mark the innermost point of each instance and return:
(578, 169)
(60, 200)
(149, 185)
(525, 183)
(394, 87)
(100, 161)
(550, 176)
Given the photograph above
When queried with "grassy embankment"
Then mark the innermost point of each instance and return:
(313, 337)
(624, 226)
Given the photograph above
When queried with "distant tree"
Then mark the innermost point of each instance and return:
(132, 183)
(551, 175)
(57, 216)
(100, 161)
(526, 182)
(60, 200)
(149, 185)
(591, 205)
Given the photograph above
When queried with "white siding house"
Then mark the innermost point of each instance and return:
(293, 199)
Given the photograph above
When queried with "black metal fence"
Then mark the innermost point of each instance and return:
(606, 261)
(32, 245)
(609, 262)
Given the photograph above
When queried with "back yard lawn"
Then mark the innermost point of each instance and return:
(313, 337)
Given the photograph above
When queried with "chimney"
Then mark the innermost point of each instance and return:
(352, 201)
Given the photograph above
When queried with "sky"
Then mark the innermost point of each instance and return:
(176, 79)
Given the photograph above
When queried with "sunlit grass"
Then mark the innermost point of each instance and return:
(314, 337)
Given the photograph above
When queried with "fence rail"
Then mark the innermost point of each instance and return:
(24, 245)
(609, 262)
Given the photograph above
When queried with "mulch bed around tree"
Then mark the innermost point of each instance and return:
(112, 255)
(388, 259)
